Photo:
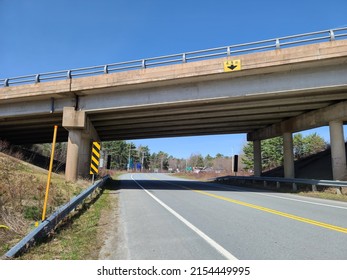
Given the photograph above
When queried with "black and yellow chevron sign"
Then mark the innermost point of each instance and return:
(94, 163)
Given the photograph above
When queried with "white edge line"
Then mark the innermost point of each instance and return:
(292, 199)
(303, 201)
(209, 240)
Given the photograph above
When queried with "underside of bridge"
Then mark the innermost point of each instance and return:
(217, 115)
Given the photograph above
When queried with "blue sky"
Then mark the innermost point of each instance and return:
(40, 35)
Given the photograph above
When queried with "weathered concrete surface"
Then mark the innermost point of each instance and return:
(312, 119)
(338, 152)
(276, 93)
(195, 98)
(81, 135)
(290, 59)
(74, 119)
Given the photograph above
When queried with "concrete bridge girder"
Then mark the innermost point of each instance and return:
(270, 85)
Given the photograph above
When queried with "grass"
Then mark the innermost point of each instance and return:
(81, 238)
(203, 176)
(22, 190)
(82, 235)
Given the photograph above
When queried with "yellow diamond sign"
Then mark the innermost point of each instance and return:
(232, 65)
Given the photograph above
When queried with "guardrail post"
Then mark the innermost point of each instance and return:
(314, 188)
(295, 187)
(184, 58)
(332, 35)
(6, 82)
(278, 185)
(143, 64)
(68, 75)
(106, 69)
(338, 190)
(37, 78)
(278, 44)
(228, 51)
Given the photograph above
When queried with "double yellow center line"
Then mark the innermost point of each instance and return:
(265, 209)
(279, 213)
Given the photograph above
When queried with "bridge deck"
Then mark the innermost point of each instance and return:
(196, 98)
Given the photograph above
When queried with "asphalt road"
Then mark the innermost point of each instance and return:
(163, 217)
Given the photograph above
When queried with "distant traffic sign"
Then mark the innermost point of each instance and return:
(232, 65)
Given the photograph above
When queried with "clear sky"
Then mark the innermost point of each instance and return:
(41, 35)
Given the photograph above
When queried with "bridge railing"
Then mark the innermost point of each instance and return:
(271, 44)
(293, 181)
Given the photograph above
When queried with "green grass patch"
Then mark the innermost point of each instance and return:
(79, 238)
(22, 191)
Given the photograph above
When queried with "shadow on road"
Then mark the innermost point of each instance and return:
(181, 185)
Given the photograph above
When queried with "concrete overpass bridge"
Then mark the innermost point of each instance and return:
(265, 89)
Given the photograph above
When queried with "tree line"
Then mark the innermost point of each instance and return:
(272, 150)
(125, 155)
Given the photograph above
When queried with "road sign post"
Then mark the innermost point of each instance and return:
(236, 164)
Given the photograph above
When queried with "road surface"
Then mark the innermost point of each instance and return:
(165, 218)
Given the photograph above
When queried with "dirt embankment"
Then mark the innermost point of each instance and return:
(22, 191)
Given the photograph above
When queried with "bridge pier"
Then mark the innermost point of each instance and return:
(288, 156)
(78, 153)
(81, 135)
(257, 157)
(338, 150)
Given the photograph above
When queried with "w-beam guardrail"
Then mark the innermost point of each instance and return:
(50, 223)
(270, 44)
(294, 181)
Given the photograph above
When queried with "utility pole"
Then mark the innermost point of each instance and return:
(129, 157)
(142, 160)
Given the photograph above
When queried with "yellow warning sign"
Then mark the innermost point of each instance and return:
(232, 65)
(94, 165)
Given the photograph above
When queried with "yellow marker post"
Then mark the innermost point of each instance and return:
(49, 173)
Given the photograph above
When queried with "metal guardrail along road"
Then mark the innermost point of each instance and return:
(294, 181)
(50, 223)
(271, 44)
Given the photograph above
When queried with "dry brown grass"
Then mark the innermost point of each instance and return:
(22, 190)
(205, 176)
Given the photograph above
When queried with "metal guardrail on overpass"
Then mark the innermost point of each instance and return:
(270, 44)
(294, 181)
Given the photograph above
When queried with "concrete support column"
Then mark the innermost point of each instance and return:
(78, 155)
(338, 150)
(72, 157)
(84, 157)
(81, 134)
(288, 156)
(257, 157)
